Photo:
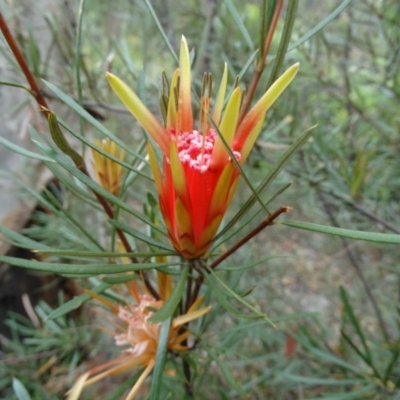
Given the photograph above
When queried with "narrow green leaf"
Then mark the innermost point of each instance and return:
(161, 355)
(16, 85)
(20, 390)
(172, 302)
(391, 364)
(251, 265)
(76, 302)
(93, 254)
(253, 325)
(61, 160)
(78, 269)
(22, 240)
(62, 143)
(309, 380)
(348, 309)
(89, 118)
(326, 356)
(348, 233)
(239, 23)
(20, 150)
(320, 26)
(114, 280)
(104, 153)
(54, 205)
(265, 21)
(78, 58)
(161, 30)
(353, 395)
(123, 387)
(224, 302)
(245, 222)
(236, 296)
(348, 340)
(283, 160)
(243, 71)
(227, 373)
(139, 235)
(284, 40)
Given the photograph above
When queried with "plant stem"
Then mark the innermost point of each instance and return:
(188, 377)
(36, 92)
(261, 63)
(43, 106)
(267, 222)
(189, 285)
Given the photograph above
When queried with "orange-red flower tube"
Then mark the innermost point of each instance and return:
(198, 179)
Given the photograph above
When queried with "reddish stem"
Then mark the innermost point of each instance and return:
(261, 63)
(267, 222)
(37, 93)
(43, 106)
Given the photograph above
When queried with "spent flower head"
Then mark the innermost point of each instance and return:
(139, 336)
(198, 178)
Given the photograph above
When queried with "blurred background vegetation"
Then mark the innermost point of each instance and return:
(335, 302)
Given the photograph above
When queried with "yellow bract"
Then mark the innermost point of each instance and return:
(107, 171)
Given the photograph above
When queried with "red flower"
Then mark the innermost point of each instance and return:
(198, 178)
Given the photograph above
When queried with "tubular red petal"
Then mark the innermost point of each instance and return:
(221, 191)
(251, 139)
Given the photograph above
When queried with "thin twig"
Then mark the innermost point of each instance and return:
(189, 284)
(36, 92)
(188, 377)
(346, 200)
(261, 64)
(43, 106)
(366, 212)
(267, 222)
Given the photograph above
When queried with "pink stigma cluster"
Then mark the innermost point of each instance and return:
(195, 149)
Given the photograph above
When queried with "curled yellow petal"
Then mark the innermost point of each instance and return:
(108, 173)
(140, 381)
(76, 390)
(218, 199)
(227, 129)
(254, 116)
(210, 232)
(185, 98)
(196, 304)
(251, 139)
(164, 283)
(172, 101)
(183, 319)
(140, 112)
(219, 101)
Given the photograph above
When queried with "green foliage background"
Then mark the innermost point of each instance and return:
(337, 298)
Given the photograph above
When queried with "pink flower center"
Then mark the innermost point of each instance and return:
(195, 149)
